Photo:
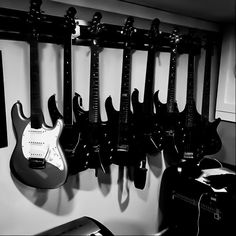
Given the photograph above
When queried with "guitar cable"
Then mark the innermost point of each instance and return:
(211, 158)
(199, 212)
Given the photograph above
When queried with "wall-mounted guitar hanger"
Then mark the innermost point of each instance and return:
(13, 27)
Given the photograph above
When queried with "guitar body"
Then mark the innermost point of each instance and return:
(69, 140)
(210, 140)
(170, 124)
(167, 120)
(94, 145)
(121, 137)
(188, 138)
(148, 127)
(37, 144)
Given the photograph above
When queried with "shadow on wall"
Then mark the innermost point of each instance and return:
(60, 201)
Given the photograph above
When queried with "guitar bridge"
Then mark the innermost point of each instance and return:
(37, 163)
(123, 148)
(188, 155)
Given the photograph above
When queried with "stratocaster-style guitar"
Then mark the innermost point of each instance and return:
(94, 144)
(144, 118)
(120, 122)
(70, 136)
(168, 113)
(37, 159)
(210, 140)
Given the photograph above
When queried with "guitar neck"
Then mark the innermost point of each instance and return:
(94, 106)
(172, 82)
(206, 86)
(67, 108)
(125, 87)
(149, 83)
(190, 92)
(35, 100)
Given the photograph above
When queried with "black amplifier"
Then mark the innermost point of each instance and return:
(202, 214)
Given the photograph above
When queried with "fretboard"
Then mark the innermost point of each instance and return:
(190, 92)
(35, 100)
(94, 106)
(172, 82)
(67, 108)
(149, 83)
(206, 86)
(125, 87)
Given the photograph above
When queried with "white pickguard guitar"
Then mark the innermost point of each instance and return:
(37, 160)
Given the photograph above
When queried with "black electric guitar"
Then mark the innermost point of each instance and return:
(144, 118)
(94, 139)
(120, 122)
(70, 136)
(168, 113)
(188, 135)
(37, 159)
(210, 140)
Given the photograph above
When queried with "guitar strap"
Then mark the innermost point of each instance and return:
(3, 125)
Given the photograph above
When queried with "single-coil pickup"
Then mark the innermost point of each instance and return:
(36, 143)
(36, 154)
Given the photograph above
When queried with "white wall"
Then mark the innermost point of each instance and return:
(125, 211)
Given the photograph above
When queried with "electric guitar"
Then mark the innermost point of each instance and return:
(70, 136)
(144, 118)
(94, 144)
(37, 159)
(210, 140)
(188, 135)
(168, 113)
(120, 122)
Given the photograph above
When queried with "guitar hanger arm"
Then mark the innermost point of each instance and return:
(14, 28)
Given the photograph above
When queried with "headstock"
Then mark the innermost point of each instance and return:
(175, 39)
(191, 44)
(95, 25)
(34, 17)
(128, 31)
(154, 33)
(69, 23)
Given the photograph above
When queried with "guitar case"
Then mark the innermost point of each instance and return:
(81, 226)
